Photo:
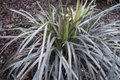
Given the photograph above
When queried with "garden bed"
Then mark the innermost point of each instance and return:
(9, 19)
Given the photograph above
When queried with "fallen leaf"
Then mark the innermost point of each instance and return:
(9, 25)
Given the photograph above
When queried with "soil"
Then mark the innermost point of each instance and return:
(8, 19)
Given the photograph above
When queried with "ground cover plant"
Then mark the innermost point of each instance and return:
(67, 44)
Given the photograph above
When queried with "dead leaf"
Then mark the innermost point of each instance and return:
(9, 25)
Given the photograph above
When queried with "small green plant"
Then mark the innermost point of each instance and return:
(67, 44)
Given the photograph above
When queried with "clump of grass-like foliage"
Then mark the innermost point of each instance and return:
(67, 44)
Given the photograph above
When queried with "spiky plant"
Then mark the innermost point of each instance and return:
(67, 44)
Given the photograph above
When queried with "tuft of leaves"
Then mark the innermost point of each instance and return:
(67, 44)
